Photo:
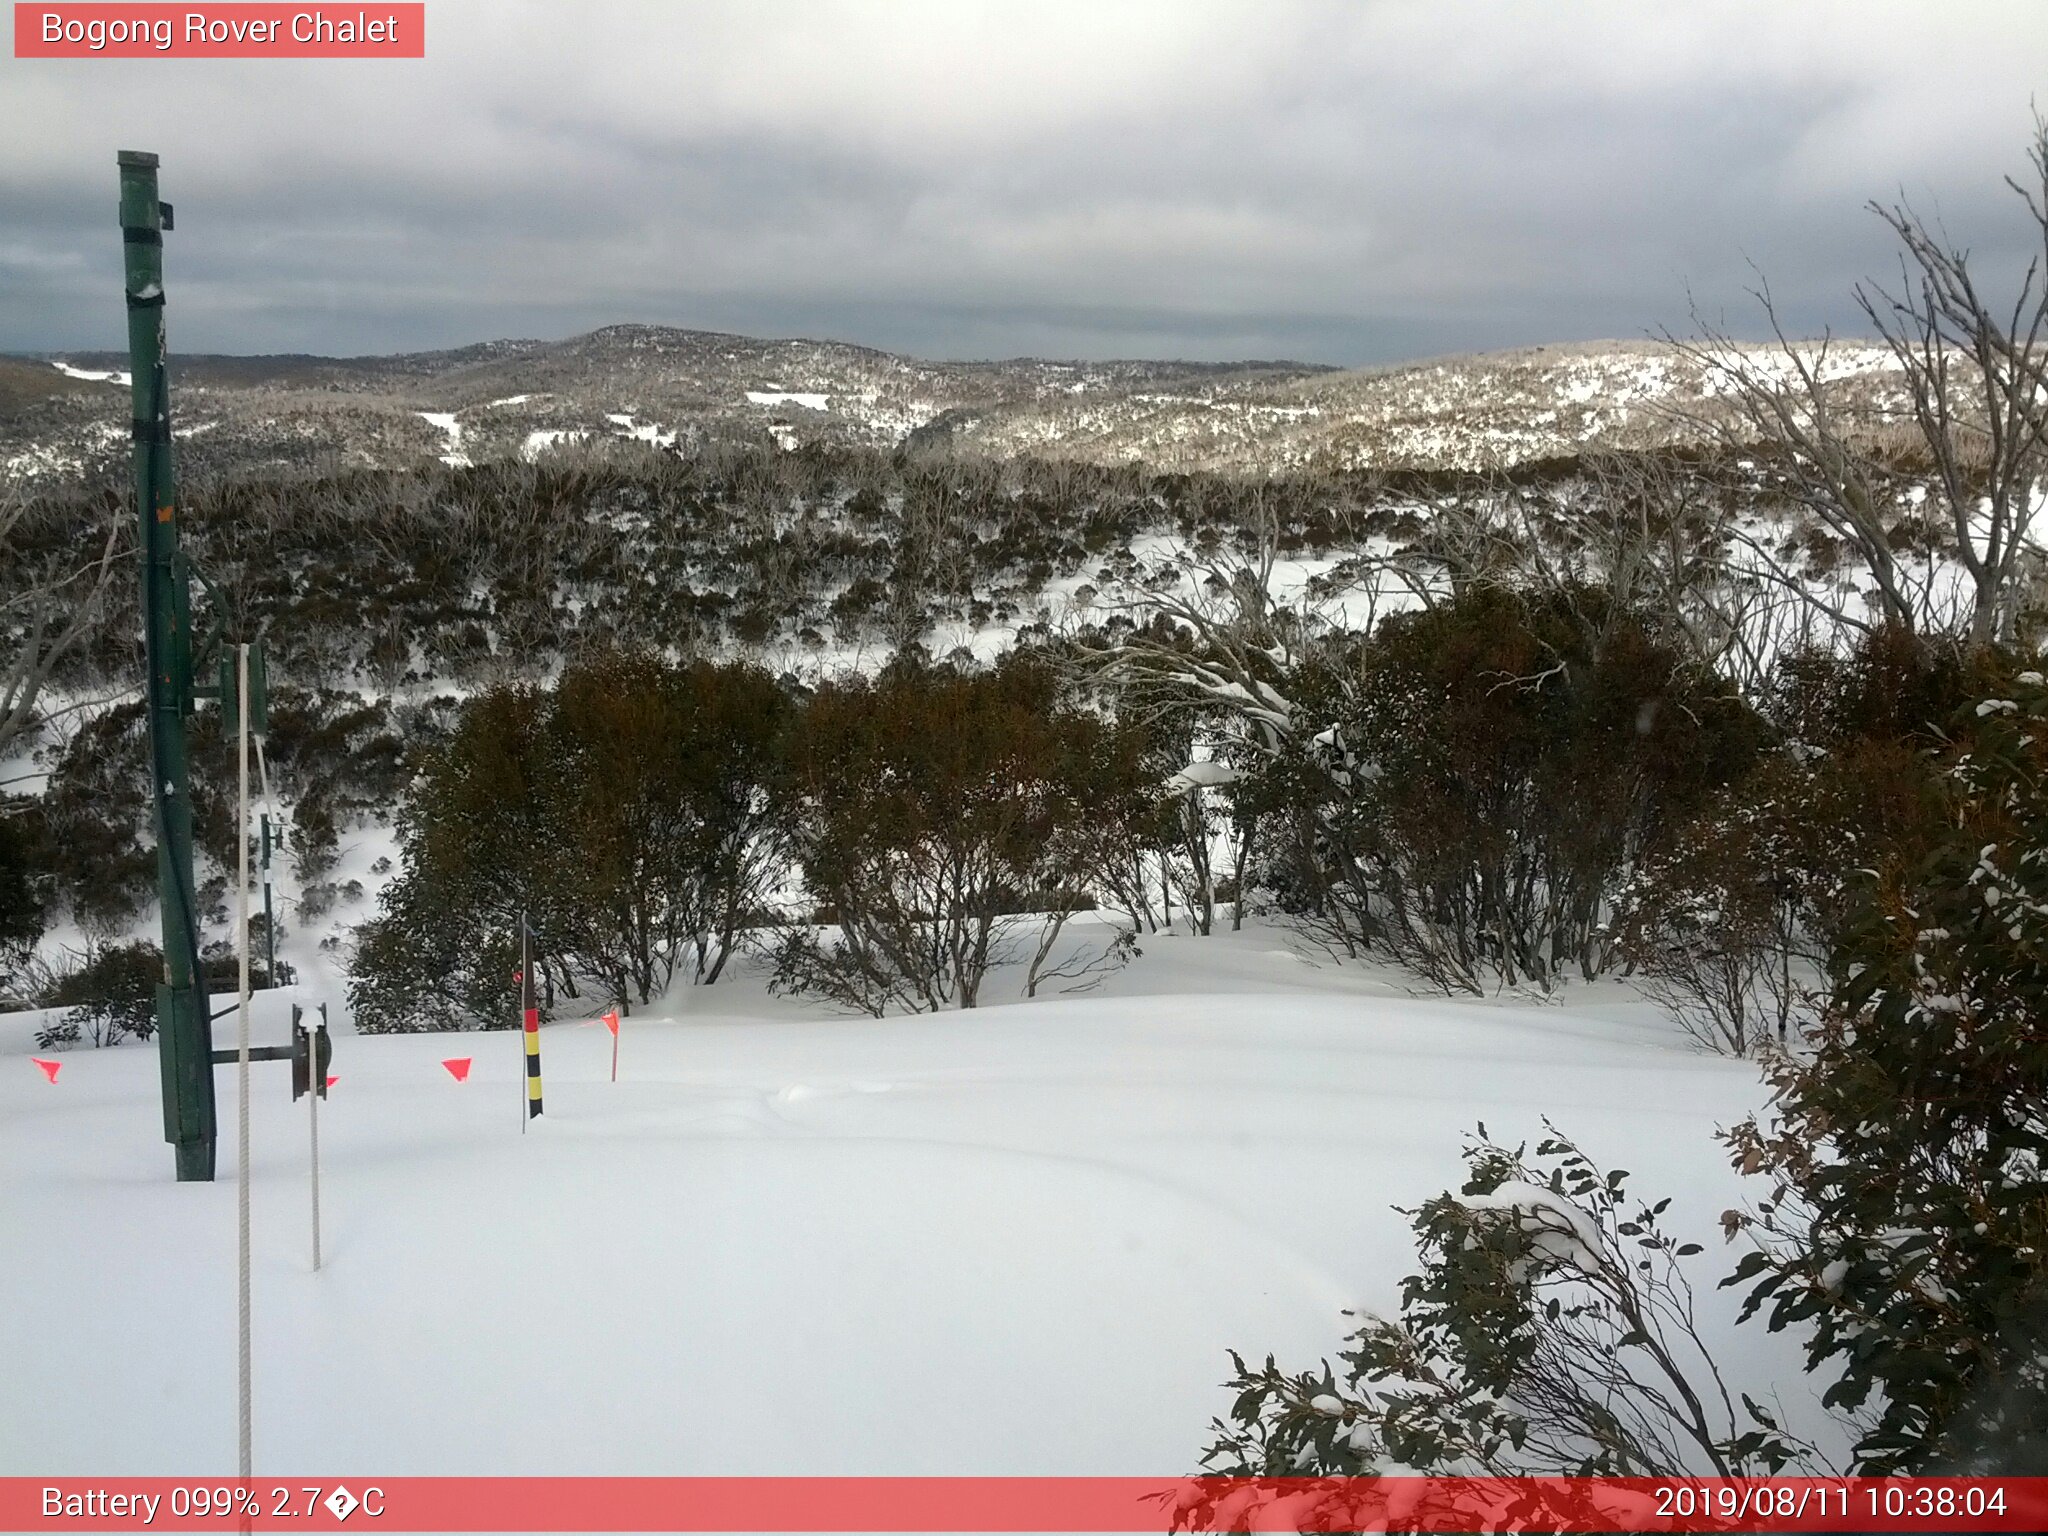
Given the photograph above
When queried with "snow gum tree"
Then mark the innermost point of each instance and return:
(1549, 1329)
(1488, 772)
(440, 953)
(50, 601)
(937, 816)
(657, 796)
(1971, 354)
(625, 813)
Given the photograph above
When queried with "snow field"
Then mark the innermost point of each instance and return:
(1012, 1241)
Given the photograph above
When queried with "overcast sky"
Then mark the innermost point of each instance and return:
(1346, 183)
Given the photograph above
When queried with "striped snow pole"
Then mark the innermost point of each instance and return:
(531, 1018)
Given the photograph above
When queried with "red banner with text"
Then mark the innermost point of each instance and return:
(220, 31)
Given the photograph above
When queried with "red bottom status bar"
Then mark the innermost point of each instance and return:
(1017, 1504)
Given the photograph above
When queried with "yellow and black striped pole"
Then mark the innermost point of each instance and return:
(531, 1018)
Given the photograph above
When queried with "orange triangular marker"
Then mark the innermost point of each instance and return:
(458, 1067)
(611, 1020)
(332, 1079)
(49, 1067)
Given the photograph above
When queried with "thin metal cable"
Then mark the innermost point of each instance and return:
(317, 1076)
(263, 772)
(277, 831)
(242, 1058)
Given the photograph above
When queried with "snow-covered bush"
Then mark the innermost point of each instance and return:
(1907, 1225)
(335, 760)
(422, 964)
(1549, 1331)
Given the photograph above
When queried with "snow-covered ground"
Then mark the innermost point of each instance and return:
(1016, 1240)
(93, 375)
(646, 432)
(454, 458)
(540, 442)
(809, 401)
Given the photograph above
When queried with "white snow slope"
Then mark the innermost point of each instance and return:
(1012, 1241)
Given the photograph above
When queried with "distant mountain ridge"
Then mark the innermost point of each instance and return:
(525, 398)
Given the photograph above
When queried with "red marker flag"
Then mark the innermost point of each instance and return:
(50, 1068)
(332, 1079)
(611, 1020)
(458, 1067)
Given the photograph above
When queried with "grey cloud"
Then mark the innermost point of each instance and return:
(1336, 182)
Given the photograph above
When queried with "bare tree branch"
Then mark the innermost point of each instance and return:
(50, 606)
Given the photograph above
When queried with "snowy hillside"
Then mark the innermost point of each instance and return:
(1015, 1241)
(516, 399)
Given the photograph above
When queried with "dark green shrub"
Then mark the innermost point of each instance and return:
(92, 823)
(112, 995)
(926, 807)
(624, 815)
(24, 886)
(1488, 772)
(1907, 1226)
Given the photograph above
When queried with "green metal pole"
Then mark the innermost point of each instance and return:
(184, 1031)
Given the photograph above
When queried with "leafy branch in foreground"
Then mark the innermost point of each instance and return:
(1550, 1331)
